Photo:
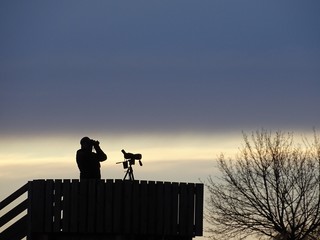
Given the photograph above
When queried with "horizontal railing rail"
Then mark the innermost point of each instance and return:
(18, 229)
(5, 202)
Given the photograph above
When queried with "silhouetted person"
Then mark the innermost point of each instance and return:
(89, 161)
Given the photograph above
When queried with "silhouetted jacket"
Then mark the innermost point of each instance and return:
(89, 163)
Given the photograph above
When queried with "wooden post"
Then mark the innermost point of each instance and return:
(100, 206)
(57, 224)
(117, 206)
(108, 211)
(199, 210)
(74, 206)
(159, 208)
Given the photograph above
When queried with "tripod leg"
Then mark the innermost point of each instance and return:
(128, 171)
(131, 174)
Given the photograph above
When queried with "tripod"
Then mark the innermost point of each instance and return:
(129, 160)
(129, 173)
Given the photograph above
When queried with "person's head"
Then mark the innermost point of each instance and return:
(86, 143)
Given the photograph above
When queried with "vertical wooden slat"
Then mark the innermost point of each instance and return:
(57, 205)
(66, 206)
(151, 206)
(108, 211)
(100, 206)
(183, 209)
(190, 209)
(143, 207)
(167, 214)
(37, 196)
(136, 207)
(91, 205)
(29, 215)
(174, 207)
(199, 210)
(118, 206)
(48, 221)
(74, 200)
(160, 208)
(83, 206)
(127, 207)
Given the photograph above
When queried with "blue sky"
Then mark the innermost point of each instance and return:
(180, 78)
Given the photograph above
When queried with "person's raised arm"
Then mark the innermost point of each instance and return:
(100, 154)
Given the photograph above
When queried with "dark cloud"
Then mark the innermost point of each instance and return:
(169, 65)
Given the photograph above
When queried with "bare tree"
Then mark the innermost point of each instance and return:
(271, 190)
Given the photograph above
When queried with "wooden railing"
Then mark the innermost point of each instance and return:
(109, 209)
(18, 229)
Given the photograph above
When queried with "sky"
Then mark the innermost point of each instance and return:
(177, 81)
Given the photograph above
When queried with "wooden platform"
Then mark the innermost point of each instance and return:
(113, 209)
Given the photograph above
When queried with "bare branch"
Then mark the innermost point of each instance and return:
(271, 189)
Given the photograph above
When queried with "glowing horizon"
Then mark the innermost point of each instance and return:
(173, 157)
(184, 157)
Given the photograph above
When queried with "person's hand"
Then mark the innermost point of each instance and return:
(96, 144)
